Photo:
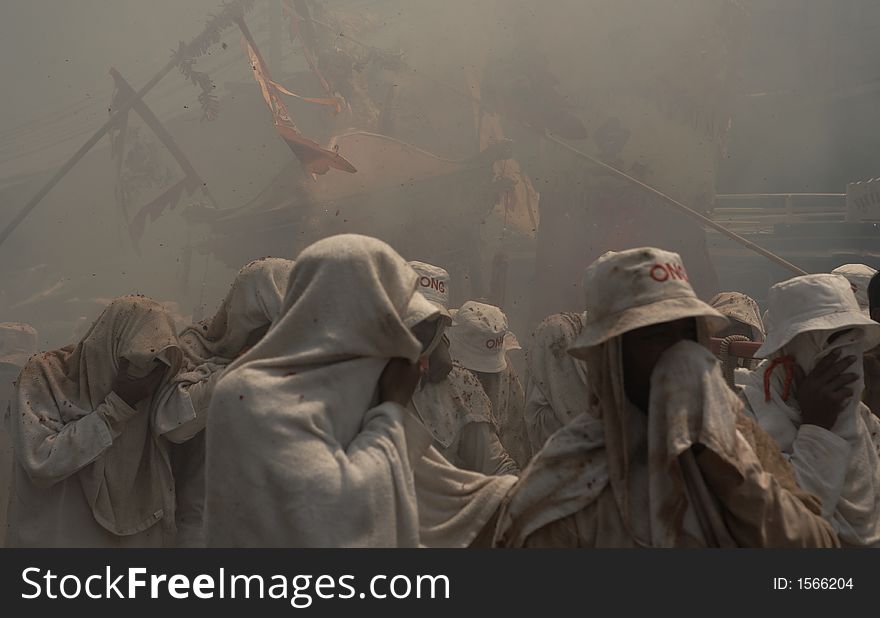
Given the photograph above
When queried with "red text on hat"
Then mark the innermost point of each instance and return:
(494, 343)
(431, 282)
(662, 272)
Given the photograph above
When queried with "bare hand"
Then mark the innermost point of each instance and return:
(133, 390)
(399, 380)
(823, 394)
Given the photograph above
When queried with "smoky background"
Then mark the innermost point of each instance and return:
(697, 98)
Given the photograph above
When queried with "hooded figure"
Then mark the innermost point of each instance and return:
(251, 304)
(319, 460)
(454, 407)
(479, 340)
(557, 388)
(91, 469)
(244, 316)
(663, 458)
(814, 316)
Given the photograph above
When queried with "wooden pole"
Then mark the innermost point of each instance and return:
(679, 206)
(79, 154)
(231, 8)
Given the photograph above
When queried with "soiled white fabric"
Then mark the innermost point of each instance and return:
(252, 302)
(445, 407)
(557, 388)
(458, 413)
(318, 463)
(626, 453)
(813, 316)
(616, 478)
(506, 393)
(250, 306)
(839, 465)
(90, 470)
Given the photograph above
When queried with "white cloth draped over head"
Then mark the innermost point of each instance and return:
(317, 463)
(557, 388)
(616, 446)
(125, 478)
(621, 478)
(841, 465)
(253, 301)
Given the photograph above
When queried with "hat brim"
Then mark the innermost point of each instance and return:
(667, 310)
(418, 310)
(845, 319)
(443, 311)
(469, 359)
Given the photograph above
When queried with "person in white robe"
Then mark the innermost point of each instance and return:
(91, 427)
(557, 386)
(479, 341)
(663, 456)
(450, 400)
(252, 303)
(806, 395)
(326, 452)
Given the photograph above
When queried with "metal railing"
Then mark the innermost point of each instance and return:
(756, 212)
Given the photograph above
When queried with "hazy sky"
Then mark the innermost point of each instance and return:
(57, 54)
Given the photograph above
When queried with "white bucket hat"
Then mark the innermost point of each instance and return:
(859, 276)
(813, 302)
(480, 338)
(631, 289)
(434, 285)
(18, 342)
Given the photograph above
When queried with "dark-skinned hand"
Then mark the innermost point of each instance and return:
(399, 380)
(824, 392)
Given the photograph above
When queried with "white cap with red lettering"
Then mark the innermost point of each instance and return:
(818, 302)
(631, 289)
(480, 338)
(434, 285)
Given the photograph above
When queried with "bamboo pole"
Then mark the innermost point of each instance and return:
(679, 206)
(114, 118)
